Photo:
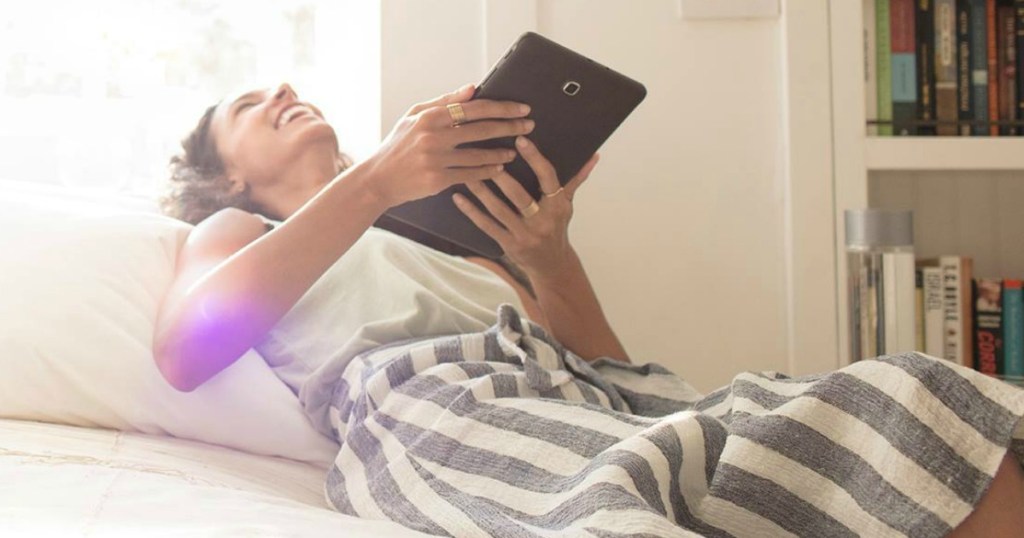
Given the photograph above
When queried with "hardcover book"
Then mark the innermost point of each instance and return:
(1007, 50)
(904, 70)
(925, 59)
(957, 310)
(988, 322)
(979, 66)
(1019, 9)
(964, 93)
(1013, 327)
(934, 312)
(992, 39)
(945, 67)
(870, 67)
(883, 64)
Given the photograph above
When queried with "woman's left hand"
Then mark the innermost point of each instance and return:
(536, 239)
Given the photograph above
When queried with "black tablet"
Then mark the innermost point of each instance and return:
(576, 104)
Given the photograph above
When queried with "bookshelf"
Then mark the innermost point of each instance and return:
(937, 153)
(964, 190)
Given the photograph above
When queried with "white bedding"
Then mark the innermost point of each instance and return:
(72, 481)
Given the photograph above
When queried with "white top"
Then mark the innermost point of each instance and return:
(385, 288)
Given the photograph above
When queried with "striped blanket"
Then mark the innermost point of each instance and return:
(506, 433)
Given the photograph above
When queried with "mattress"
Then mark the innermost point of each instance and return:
(72, 481)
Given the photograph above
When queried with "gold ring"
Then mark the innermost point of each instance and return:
(530, 210)
(458, 115)
(556, 193)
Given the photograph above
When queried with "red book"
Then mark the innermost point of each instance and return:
(992, 35)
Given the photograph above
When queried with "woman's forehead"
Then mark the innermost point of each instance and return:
(222, 109)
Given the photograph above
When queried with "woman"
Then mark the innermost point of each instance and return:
(238, 284)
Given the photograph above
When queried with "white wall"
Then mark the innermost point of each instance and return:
(681, 225)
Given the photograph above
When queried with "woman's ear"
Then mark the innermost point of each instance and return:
(237, 185)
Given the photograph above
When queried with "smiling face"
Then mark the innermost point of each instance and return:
(274, 144)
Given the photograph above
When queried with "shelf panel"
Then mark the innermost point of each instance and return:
(944, 153)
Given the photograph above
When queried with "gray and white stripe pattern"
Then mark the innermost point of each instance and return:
(506, 433)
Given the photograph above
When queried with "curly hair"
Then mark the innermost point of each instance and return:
(198, 185)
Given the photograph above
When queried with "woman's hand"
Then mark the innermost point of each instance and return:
(537, 241)
(420, 158)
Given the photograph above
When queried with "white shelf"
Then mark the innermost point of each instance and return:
(944, 153)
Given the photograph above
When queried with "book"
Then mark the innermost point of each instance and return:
(918, 310)
(956, 305)
(1006, 18)
(903, 66)
(992, 38)
(898, 301)
(945, 67)
(964, 92)
(979, 67)
(925, 61)
(883, 69)
(1013, 327)
(1019, 10)
(934, 312)
(988, 325)
(870, 67)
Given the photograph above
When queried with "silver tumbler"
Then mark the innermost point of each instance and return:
(880, 282)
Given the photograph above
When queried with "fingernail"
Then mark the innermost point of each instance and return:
(524, 109)
(521, 141)
(510, 155)
(458, 199)
(498, 168)
(466, 87)
(529, 125)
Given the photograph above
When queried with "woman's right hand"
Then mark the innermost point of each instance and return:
(420, 156)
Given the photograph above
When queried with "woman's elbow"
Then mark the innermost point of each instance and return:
(172, 362)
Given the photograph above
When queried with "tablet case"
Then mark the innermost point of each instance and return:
(576, 103)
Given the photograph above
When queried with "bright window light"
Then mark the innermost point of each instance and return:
(97, 95)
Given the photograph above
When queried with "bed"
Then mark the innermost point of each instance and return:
(63, 480)
(93, 441)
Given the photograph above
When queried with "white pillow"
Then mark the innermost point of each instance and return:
(80, 285)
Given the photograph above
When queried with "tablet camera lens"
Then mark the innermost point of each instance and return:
(571, 88)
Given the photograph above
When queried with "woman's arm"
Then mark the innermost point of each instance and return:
(539, 244)
(232, 288)
(213, 314)
(573, 312)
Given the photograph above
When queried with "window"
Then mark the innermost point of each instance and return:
(98, 94)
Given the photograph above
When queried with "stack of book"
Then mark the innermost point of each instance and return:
(977, 322)
(944, 67)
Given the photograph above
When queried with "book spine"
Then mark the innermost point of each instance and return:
(1013, 327)
(964, 101)
(945, 67)
(988, 320)
(870, 68)
(890, 303)
(934, 312)
(1019, 10)
(979, 67)
(905, 312)
(883, 61)
(1007, 68)
(919, 310)
(925, 59)
(953, 344)
(992, 54)
(904, 70)
(967, 311)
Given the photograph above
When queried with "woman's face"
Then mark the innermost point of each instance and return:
(266, 136)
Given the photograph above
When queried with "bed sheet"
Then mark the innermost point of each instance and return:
(72, 481)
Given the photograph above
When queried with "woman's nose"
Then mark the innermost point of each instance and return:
(284, 90)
